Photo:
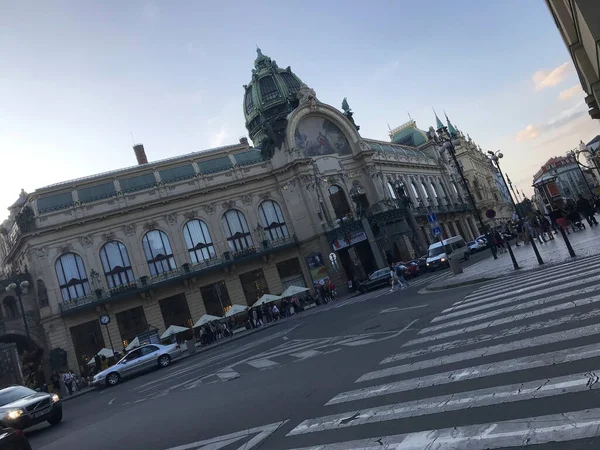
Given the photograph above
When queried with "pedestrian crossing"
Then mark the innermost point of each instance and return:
(508, 366)
(385, 291)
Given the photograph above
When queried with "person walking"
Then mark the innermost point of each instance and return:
(400, 275)
(585, 207)
(68, 381)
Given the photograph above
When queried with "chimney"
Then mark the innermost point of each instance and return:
(140, 154)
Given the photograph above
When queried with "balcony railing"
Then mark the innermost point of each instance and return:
(184, 272)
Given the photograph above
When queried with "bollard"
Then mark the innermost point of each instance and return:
(512, 255)
(567, 242)
(535, 250)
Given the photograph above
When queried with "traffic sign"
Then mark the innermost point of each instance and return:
(437, 231)
(431, 218)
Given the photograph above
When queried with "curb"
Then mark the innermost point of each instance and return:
(516, 272)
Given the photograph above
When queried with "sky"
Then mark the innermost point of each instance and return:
(80, 81)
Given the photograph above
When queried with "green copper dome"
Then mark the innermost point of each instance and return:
(268, 99)
(408, 134)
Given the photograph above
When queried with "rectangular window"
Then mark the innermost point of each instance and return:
(216, 298)
(175, 311)
(98, 192)
(177, 173)
(131, 323)
(215, 165)
(137, 183)
(254, 285)
(248, 157)
(290, 273)
(87, 340)
(55, 202)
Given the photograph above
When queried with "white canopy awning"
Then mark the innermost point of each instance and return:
(293, 290)
(206, 318)
(133, 344)
(173, 329)
(236, 309)
(267, 298)
(104, 352)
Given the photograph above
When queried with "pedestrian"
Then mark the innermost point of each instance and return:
(393, 278)
(400, 275)
(585, 207)
(68, 381)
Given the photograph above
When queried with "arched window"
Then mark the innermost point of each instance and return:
(434, 190)
(455, 188)
(425, 190)
(11, 310)
(415, 190)
(198, 241)
(116, 264)
(272, 220)
(236, 230)
(339, 202)
(159, 254)
(72, 277)
(391, 190)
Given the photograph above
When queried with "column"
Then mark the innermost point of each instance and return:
(379, 260)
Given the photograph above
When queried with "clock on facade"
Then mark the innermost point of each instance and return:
(104, 319)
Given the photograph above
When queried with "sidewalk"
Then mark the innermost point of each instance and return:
(199, 349)
(585, 244)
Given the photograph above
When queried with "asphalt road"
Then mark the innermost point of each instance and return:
(505, 365)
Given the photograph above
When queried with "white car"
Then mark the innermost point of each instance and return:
(476, 246)
(136, 361)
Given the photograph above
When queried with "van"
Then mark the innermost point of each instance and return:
(437, 255)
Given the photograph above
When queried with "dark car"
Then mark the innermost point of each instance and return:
(11, 439)
(376, 280)
(411, 269)
(21, 407)
(421, 263)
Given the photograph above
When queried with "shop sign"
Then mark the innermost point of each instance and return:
(354, 238)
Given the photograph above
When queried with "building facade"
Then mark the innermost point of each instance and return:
(163, 243)
(577, 22)
(560, 176)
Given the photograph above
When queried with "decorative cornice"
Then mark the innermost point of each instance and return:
(151, 225)
(107, 237)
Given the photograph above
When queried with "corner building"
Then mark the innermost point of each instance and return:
(164, 242)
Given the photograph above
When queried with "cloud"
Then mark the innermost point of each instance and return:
(528, 133)
(543, 79)
(219, 138)
(151, 12)
(571, 92)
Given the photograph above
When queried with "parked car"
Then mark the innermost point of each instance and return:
(476, 246)
(377, 279)
(410, 268)
(21, 408)
(421, 263)
(438, 252)
(11, 439)
(141, 359)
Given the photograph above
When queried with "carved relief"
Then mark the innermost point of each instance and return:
(151, 225)
(107, 237)
(41, 252)
(86, 241)
(190, 214)
(246, 199)
(129, 229)
(65, 249)
(210, 208)
(307, 96)
(171, 219)
(364, 146)
(228, 204)
(264, 195)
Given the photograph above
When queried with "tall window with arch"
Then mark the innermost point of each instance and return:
(391, 191)
(72, 277)
(11, 311)
(272, 220)
(159, 253)
(455, 188)
(339, 202)
(198, 241)
(237, 231)
(435, 193)
(425, 191)
(116, 264)
(415, 191)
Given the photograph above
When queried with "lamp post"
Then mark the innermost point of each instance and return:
(404, 199)
(448, 145)
(495, 157)
(18, 289)
(574, 155)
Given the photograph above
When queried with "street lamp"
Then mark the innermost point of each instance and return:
(18, 290)
(575, 156)
(495, 157)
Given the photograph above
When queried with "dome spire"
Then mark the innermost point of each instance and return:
(438, 122)
(451, 128)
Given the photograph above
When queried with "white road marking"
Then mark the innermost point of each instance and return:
(262, 363)
(482, 307)
(482, 370)
(512, 433)
(458, 310)
(514, 318)
(452, 402)
(390, 310)
(112, 401)
(526, 287)
(228, 374)
(260, 434)
(478, 339)
(306, 354)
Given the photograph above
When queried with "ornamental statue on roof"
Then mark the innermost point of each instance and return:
(348, 113)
